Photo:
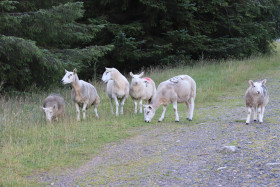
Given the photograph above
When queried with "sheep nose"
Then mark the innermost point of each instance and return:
(258, 92)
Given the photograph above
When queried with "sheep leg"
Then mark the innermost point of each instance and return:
(78, 111)
(140, 103)
(255, 110)
(111, 103)
(249, 115)
(260, 114)
(117, 106)
(190, 109)
(122, 103)
(163, 113)
(84, 110)
(95, 110)
(176, 111)
(135, 106)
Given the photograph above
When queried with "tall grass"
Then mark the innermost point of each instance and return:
(28, 144)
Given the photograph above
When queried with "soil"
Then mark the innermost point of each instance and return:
(190, 154)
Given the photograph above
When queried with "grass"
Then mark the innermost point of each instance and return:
(29, 145)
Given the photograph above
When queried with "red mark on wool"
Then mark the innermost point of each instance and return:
(148, 79)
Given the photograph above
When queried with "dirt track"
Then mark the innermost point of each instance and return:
(188, 154)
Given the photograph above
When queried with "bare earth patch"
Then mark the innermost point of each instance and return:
(188, 154)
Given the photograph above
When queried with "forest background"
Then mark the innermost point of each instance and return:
(39, 39)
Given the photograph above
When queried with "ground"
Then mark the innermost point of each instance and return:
(189, 154)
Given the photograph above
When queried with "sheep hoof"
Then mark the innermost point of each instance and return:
(159, 121)
(176, 121)
(247, 123)
(255, 120)
(189, 119)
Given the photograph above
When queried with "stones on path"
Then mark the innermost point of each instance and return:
(273, 164)
(228, 149)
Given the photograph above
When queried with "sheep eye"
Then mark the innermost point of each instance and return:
(148, 112)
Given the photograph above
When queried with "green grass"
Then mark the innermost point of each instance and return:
(29, 145)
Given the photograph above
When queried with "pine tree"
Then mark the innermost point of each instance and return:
(35, 47)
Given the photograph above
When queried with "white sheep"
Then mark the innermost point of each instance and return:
(83, 93)
(256, 98)
(141, 89)
(117, 88)
(54, 107)
(179, 89)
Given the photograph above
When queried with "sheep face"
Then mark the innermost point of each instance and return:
(257, 87)
(136, 79)
(49, 112)
(149, 113)
(107, 75)
(69, 77)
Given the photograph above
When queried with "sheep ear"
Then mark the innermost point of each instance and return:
(251, 82)
(263, 82)
(66, 71)
(42, 108)
(141, 74)
(54, 106)
(131, 74)
(75, 71)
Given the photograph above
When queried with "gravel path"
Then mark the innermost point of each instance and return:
(188, 154)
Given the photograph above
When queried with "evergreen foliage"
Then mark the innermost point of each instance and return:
(131, 34)
(35, 47)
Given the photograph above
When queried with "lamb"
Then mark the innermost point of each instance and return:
(178, 89)
(83, 93)
(141, 89)
(54, 107)
(117, 88)
(256, 98)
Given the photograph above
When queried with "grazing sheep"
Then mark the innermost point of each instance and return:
(117, 88)
(178, 89)
(256, 98)
(54, 107)
(141, 89)
(83, 93)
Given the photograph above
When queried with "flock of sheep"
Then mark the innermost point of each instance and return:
(179, 89)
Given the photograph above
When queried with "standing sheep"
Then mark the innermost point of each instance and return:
(54, 107)
(117, 88)
(179, 89)
(256, 98)
(83, 93)
(141, 89)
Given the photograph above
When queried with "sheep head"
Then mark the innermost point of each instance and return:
(149, 113)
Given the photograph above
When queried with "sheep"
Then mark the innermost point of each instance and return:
(54, 107)
(117, 88)
(178, 89)
(141, 89)
(256, 98)
(83, 93)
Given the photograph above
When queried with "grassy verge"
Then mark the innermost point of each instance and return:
(29, 145)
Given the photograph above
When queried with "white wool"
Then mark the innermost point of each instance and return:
(256, 98)
(117, 88)
(83, 93)
(179, 89)
(141, 89)
(54, 107)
